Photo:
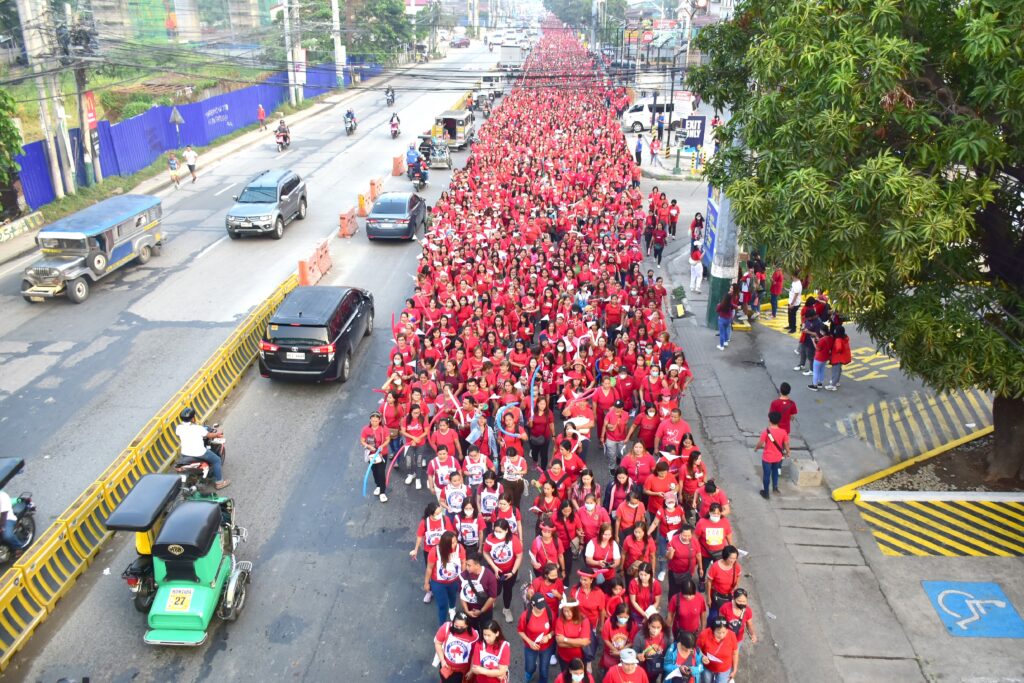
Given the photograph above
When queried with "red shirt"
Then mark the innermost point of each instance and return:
(379, 436)
(686, 556)
(633, 550)
(430, 530)
(658, 484)
(618, 675)
(447, 572)
(640, 468)
(786, 408)
(457, 647)
(724, 581)
(533, 626)
(712, 535)
(503, 553)
(688, 613)
(737, 623)
(724, 651)
(492, 657)
(592, 603)
(644, 595)
(772, 452)
(670, 434)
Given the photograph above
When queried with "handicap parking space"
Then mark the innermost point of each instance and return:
(974, 609)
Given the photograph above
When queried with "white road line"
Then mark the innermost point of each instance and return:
(208, 249)
(286, 153)
(19, 264)
(220, 192)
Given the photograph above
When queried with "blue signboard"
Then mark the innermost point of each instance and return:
(710, 225)
(695, 131)
(974, 609)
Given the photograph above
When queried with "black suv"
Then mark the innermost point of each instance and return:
(314, 333)
(270, 200)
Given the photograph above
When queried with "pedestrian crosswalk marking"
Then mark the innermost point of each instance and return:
(906, 426)
(948, 528)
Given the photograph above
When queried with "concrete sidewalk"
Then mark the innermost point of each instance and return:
(828, 605)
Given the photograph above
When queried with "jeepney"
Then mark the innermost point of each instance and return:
(457, 126)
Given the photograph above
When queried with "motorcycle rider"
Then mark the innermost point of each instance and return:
(395, 121)
(389, 94)
(282, 129)
(191, 436)
(7, 522)
(350, 117)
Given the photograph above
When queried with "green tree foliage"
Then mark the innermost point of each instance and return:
(10, 140)
(384, 28)
(879, 144)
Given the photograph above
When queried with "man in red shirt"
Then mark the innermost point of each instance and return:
(784, 406)
(776, 289)
(670, 432)
(613, 433)
(774, 442)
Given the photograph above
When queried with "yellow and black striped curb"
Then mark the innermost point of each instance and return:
(30, 590)
(905, 426)
(954, 524)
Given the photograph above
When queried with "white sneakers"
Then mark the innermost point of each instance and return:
(383, 498)
(720, 347)
(409, 478)
(418, 484)
(661, 575)
(508, 615)
(376, 491)
(427, 597)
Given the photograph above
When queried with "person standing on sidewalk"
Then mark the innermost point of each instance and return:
(190, 160)
(696, 269)
(774, 443)
(261, 116)
(784, 406)
(796, 291)
(822, 355)
(841, 355)
(810, 331)
(725, 310)
(775, 289)
(639, 151)
(654, 148)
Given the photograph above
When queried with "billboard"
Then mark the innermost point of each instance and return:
(711, 225)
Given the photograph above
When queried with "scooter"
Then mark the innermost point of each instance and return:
(419, 179)
(350, 126)
(390, 97)
(394, 130)
(24, 511)
(284, 141)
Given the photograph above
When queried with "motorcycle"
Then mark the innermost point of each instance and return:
(350, 126)
(394, 130)
(487, 112)
(419, 178)
(24, 512)
(390, 97)
(490, 47)
(284, 141)
(190, 544)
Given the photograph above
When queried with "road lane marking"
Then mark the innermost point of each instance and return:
(207, 250)
(20, 264)
(220, 192)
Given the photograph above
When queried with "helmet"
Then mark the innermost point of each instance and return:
(412, 145)
(187, 415)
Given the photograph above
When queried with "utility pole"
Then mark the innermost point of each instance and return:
(33, 37)
(288, 54)
(339, 49)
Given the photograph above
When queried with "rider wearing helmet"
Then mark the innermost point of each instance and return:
(282, 129)
(191, 435)
(350, 115)
(412, 155)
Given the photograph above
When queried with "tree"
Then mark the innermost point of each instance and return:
(383, 28)
(880, 145)
(10, 140)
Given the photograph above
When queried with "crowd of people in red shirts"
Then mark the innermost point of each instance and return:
(535, 388)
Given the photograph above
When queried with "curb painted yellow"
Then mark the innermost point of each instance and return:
(850, 492)
(31, 589)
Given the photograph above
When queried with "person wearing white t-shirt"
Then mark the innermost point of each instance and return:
(796, 290)
(191, 157)
(7, 522)
(191, 435)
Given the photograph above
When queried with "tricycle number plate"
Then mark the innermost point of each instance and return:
(291, 355)
(179, 599)
(36, 299)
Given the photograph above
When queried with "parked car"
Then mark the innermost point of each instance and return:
(271, 200)
(461, 41)
(396, 215)
(315, 332)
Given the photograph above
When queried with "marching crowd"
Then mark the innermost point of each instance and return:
(534, 390)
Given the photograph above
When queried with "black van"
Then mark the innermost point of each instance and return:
(314, 333)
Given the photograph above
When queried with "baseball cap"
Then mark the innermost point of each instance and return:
(538, 601)
(628, 656)
(619, 403)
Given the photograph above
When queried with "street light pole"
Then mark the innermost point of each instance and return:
(288, 53)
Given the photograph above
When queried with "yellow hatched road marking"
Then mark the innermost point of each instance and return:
(935, 412)
(939, 550)
(872, 424)
(974, 398)
(881, 535)
(929, 429)
(936, 506)
(887, 425)
(936, 527)
(1003, 509)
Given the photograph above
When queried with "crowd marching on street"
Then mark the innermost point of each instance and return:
(534, 391)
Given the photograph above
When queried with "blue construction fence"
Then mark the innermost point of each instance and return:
(133, 144)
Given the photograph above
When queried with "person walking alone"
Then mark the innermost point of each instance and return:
(696, 269)
(796, 291)
(655, 147)
(261, 116)
(774, 443)
(639, 151)
(190, 160)
(725, 309)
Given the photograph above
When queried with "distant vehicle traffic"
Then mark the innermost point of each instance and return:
(270, 201)
(396, 215)
(461, 41)
(92, 243)
(314, 333)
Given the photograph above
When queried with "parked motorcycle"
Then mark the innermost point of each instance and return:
(394, 130)
(24, 512)
(284, 141)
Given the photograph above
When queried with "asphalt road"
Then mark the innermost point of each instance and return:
(77, 382)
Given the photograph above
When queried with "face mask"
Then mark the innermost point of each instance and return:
(714, 518)
(623, 620)
(468, 511)
(591, 507)
(651, 413)
(576, 678)
(458, 629)
(437, 515)
(634, 505)
(670, 504)
(739, 606)
(500, 535)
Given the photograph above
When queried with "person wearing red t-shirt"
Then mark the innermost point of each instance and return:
(708, 495)
(617, 634)
(439, 470)
(644, 593)
(445, 563)
(546, 547)
(492, 656)
(549, 584)
(575, 673)
(453, 645)
(713, 533)
(628, 670)
(374, 439)
(739, 615)
(637, 545)
(669, 436)
(687, 609)
(645, 426)
(613, 433)
(683, 559)
(428, 534)
(658, 486)
(536, 628)
(784, 406)
(638, 463)
(775, 291)
(573, 632)
(723, 577)
(721, 653)
(503, 552)
(667, 522)
(774, 442)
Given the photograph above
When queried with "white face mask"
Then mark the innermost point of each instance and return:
(715, 518)
(438, 514)
(623, 620)
(591, 506)
(577, 677)
(669, 504)
(634, 505)
(500, 535)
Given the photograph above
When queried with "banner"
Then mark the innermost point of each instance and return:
(694, 131)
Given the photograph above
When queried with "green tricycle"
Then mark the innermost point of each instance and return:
(186, 570)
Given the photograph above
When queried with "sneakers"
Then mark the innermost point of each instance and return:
(409, 478)
(720, 347)
(799, 368)
(727, 343)
(376, 491)
(812, 387)
(554, 661)
(419, 485)
(383, 498)
(764, 494)
(775, 489)
(796, 350)
(427, 597)
(832, 387)
(507, 613)
(807, 373)
(661, 575)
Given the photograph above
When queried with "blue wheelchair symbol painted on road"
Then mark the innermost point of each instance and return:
(971, 609)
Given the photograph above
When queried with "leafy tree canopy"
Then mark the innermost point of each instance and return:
(879, 144)
(10, 139)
